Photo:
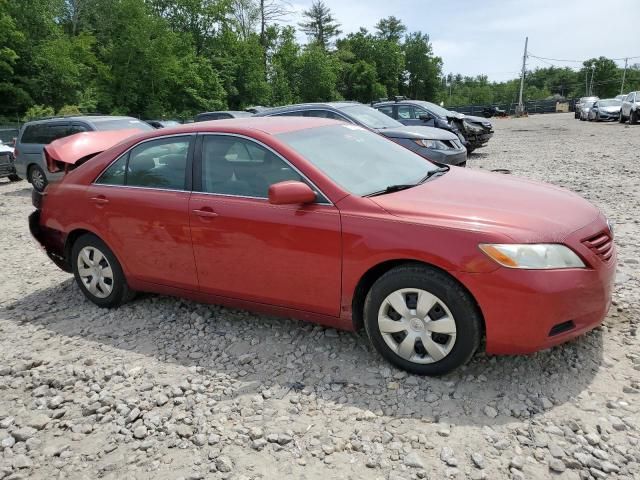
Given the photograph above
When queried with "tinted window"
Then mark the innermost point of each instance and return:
(357, 159)
(115, 174)
(77, 128)
(33, 134)
(324, 114)
(406, 112)
(295, 113)
(121, 124)
(387, 110)
(159, 164)
(44, 133)
(237, 166)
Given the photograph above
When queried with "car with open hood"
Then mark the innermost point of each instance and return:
(327, 221)
(432, 143)
(473, 132)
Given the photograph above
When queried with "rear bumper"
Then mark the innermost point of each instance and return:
(51, 241)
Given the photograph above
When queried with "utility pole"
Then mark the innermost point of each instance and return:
(586, 83)
(520, 109)
(593, 69)
(624, 74)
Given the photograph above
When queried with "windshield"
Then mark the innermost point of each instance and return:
(370, 117)
(609, 103)
(358, 160)
(588, 104)
(436, 109)
(121, 124)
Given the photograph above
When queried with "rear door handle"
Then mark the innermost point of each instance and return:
(100, 200)
(205, 212)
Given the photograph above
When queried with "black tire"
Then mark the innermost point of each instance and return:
(465, 312)
(621, 118)
(14, 178)
(633, 117)
(37, 178)
(120, 293)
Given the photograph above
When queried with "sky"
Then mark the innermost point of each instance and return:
(487, 36)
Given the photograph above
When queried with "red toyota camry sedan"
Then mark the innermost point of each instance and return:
(328, 222)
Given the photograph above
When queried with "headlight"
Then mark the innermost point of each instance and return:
(470, 126)
(542, 256)
(434, 144)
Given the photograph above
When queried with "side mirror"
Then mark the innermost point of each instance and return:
(291, 193)
(425, 117)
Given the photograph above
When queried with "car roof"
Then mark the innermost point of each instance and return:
(80, 118)
(268, 125)
(232, 112)
(307, 106)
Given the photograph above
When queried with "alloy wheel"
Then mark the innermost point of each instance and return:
(38, 180)
(95, 272)
(417, 326)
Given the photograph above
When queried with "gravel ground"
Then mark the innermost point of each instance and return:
(163, 388)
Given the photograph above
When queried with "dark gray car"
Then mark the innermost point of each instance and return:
(33, 137)
(431, 143)
(473, 132)
(221, 115)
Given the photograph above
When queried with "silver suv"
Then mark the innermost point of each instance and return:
(33, 137)
(630, 109)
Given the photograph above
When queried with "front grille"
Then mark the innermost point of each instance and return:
(601, 244)
(5, 159)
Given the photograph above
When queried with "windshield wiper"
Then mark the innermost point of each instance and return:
(404, 186)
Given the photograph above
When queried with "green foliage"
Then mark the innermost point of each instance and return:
(320, 26)
(317, 73)
(38, 111)
(70, 110)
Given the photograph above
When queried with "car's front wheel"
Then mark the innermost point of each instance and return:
(633, 117)
(621, 118)
(37, 178)
(98, 272)
(422, 320)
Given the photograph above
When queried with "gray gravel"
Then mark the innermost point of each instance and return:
(164, 388)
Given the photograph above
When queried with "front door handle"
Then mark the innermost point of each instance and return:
(205, 212)
(100, 200)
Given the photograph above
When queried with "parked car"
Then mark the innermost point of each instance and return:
(581, 101)
(7, 167)
(584, 110)
(630, 108)
(205, 117)
(432, 143)
(33, 136)
(329, 222)
(606, 109)
(163, 123)
(473, 132)
(621, 97)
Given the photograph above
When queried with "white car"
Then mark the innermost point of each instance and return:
(630, 109)
(7, 167)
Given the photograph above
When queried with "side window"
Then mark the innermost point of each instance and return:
(56, 131)
(77, 128)
(406, 112)
(324, 114)
(159, 164)
(629, 97)
(237, 166)
(33, 134)
(295, 113)
(115, 174)
(387, 110)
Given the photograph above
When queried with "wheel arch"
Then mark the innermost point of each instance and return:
(76, 233)
(367, 280)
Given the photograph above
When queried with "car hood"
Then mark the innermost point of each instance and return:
(615, 108)
(417, 132)
(523, 210)
(5, 148)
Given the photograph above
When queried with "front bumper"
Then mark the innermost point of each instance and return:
(448, 157)
(530, 310)
(609, 115)
(477, 140)
(6, 166)
(51, 241)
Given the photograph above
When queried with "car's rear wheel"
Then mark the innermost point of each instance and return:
(14, 178)
(37, 178)
(98, 272)
(422, 320)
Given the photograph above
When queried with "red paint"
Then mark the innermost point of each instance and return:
(305, 260)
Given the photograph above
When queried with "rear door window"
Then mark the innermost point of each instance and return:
(406, 112)
(324, 114)
(159, 164)
(33, 134)
(387, 110)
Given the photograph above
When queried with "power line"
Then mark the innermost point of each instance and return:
(578, 61)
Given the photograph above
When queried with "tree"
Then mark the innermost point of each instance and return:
(391, 29)
(317, 75)
(423, 69)
(320, 26)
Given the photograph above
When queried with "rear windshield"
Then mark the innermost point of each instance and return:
(609, 103)
(370, 117)
(121, 124)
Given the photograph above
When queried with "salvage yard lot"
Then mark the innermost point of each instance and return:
(165, 388)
